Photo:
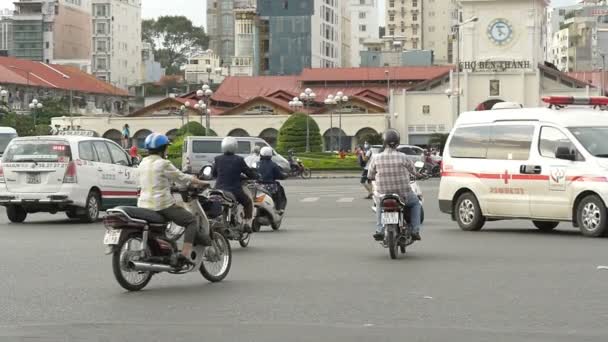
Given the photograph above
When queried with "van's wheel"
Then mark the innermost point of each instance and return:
(468, 213)
(16, 214)
(91, 212)
(591, 216)
(545, 226)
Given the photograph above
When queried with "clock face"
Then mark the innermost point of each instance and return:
(500, 31)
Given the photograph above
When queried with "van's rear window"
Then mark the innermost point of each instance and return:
(38, 151)
(206, 146)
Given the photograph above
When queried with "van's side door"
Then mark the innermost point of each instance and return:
(551, 196)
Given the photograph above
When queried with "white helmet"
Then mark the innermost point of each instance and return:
(229, 145)
(266, 151)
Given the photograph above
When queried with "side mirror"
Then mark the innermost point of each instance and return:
(206, 173)
(419, 164)
(563, 152)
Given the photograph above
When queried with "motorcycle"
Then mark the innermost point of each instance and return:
(228, 215)
(298, 169)
(431, 172)
(142, 243)
(416, 189)
(266, 213)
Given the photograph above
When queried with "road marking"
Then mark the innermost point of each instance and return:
(310, 199)
(346, 200)
(602, 267)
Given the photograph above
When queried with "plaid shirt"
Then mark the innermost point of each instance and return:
(391, 171)
(155, 178)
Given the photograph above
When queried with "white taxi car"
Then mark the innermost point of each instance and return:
(80, 175)
(547, 165)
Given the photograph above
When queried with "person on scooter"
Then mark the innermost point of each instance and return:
(269, 173)
(227, 171)
(254, 158)
(156, 176)
(293, 163)
(391, 172)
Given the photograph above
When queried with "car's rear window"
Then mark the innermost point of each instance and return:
(38, 151)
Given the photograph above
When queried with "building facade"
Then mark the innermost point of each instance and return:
(116, 40)
(46, 30)
(404, 22)
(204, 68)
(438, 18)
(6, 31)
(151, 70)
(365, 25)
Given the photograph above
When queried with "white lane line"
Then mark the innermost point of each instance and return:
(310, 199)
(602, 267)
(346, 200)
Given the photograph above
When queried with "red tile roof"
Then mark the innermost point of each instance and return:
(38, 74)
(373, 74)
(239, 89)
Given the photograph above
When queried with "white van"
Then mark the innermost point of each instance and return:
(201, 151)
(6, 135)
(80, 175)
(541, 164)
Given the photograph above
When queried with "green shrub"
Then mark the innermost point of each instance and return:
(292, 135)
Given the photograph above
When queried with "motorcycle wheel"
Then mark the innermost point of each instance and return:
(421, 215)
(402, 248)
(306, 174)
(129, 280)
(216, 265)
(244, 241)
(391, 241)
(276, 226)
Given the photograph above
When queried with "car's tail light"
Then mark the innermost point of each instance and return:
(1, 174)
(70, 173)
(390, 205)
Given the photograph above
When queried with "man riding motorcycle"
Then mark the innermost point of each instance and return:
(391, 171)
(269, 173)
(253, 158)
(156, 176)
(227, 171)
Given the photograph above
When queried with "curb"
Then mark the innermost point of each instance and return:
(335, 177)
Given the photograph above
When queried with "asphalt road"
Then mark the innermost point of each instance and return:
(320, 278)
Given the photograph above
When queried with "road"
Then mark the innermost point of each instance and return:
(320, 278)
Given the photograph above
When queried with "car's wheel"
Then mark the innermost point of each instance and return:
(91, 212)
(468, 213)
(71, 214)
(591, 216)
(16, 214)
(545, 226)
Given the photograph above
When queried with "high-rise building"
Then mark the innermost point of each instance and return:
(404, 22)
(117, 44)
(365, 25)
(47, 30)
(6, 31)
(438, 17)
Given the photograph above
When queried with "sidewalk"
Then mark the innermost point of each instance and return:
(321, 174)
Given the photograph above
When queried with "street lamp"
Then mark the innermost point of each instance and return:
(338, 100)
(457, 29)
(184, 111)
(35, 105)
(201, 107)
(296, 105)
(389, 119)
(205, 94)
(307, 98)
(4, 97)
(209, 69)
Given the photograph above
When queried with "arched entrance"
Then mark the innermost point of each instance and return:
(238, 132)
(113, 135)
(368, 134)
(140, 137)
(172, 134)
(487, 105)
(336, 139)
(270, 136)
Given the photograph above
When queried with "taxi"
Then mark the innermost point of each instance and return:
(74, 172)
(546, 165)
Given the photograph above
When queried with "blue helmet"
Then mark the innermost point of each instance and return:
(156, 141)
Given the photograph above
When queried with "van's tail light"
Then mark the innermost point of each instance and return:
(2, 174)
(390, 205)
(70, 173)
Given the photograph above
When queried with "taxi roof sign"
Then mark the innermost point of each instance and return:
(81, 133)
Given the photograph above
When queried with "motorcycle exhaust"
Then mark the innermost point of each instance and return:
(148, 267)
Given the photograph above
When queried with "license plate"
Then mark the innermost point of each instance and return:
(33, 178)
(390, 218)
(112, 237)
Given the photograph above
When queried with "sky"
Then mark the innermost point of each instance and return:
(195, 9)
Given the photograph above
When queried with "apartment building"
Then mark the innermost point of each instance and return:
(438, 17)
(48, 30)
(404, 22)
(365, 25)
(6, 31)
(116, 41)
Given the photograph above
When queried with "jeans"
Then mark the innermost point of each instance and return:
(412, 203)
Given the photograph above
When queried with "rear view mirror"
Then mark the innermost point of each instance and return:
(206, 173)
(563, 152)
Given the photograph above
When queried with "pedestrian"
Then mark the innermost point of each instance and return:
(126, 133)
(364, 157)
(342, 154)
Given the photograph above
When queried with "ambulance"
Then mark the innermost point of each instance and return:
(547, 165)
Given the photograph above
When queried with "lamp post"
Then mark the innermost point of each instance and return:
(184, 111)
(603, 55)
(4, 97)
(34, 106)
(296, 105)
(389, 119)
(330, 101)
(307, 98)
(205, 94)
(457, 29)
(209, 69)
(338, 100)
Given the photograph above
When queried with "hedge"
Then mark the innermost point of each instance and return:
(292, 135)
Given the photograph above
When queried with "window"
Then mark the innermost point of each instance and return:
(361, 2)
(86, 152)
(194, 61)
(244, 147)
(101, 63)
(285, 4)
(391, 17)
(550, 139)
(414, 3)
(414, 45)
(470, 142)
(101, 45)
(494, 88)
(414, 17)
(593, 139)
(426, 109)
(362, 28)
(391, 3)
(510, 142)
(118, 155)
(102, 152)
(362, 15)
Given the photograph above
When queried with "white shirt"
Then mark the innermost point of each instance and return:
(156, 175)
(368, 156)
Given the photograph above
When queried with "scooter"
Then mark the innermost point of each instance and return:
(266, 213)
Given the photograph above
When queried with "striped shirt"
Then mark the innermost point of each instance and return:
(391, 171)
(156, 176)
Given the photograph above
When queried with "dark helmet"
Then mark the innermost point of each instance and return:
(392, 138)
